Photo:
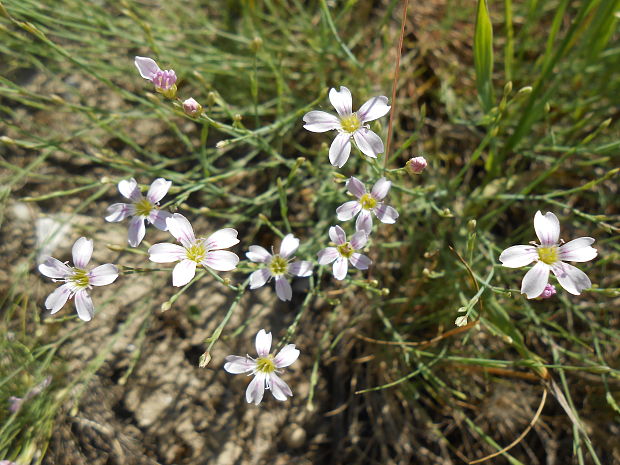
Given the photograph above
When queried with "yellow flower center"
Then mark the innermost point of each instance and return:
(143, 207)
(278, 265)
(548, 255)
(345, 250)
(368, 202)
(80, 278)
(265, 365)
(350, 123)
(196, 252)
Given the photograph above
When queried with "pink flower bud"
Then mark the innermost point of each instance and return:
(192, 107)
(416, 165)
(548, 291)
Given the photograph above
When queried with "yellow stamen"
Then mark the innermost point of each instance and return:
(350, 123)
(265, 365)
(278, 265)
(548, 255)
(80, 278)
(143, 207)
(345, 250)
(196, 252)
(368, 202)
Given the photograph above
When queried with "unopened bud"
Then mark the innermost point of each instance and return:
(525, 90)
(508, 88)
(192, 108)
(461, 321)
(211, 99)
(548, 291)
(256, 44)
(416, 165)
(471, 225)
(204, 360)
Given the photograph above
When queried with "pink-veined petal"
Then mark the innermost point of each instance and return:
(578, 250)
(258, 254)
(84, 305)
(222, 239)
(571, 278)
(279, 388)
(103, 275)
(327, 255)
(342, 101)
(535, 280)
(356, 187)
(263, 343)
(364, 222)
(368, 142)
(259, 277)
(129, 189)
(341, 266)
(348, 210)
(236, 364)
(340, 150)
(289, 246)
(359, 239)
(136, 231)
(82, 251)
(381, 189)
(337, 235)
(256, 389)
(119, 211)
(320, 121)
(166, 253)
(518, 256)
(157, 191)
(221, 260)
(360, 261)
(287, 356)
(146, 67)
(181, 229)
(302, 268)
(54, 269)
(547, 228)
(57, 299)
(283, 288)
(374, 108)
(183, 272)
(386, 214)
(158, 219)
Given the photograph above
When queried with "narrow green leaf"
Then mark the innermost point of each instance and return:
(483, 55)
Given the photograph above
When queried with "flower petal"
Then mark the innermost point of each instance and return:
(157, 191)
(368, 142)
(320, 121)
(341, 100)
(258, 254)
(136, 231)
(54, 269)
(103, 275)
(535, 280)
(547, 228)
(236, 364)
(283, 288)
(340, 150)
(356, 187)
(287, 356)
(166, 253)
(374, 108)
(359, 239)
(303, 268)
(220, 260)
(256, 389)
(84, 305)
(289, 246)
(57, 299)
(263, 343)
(337, 235)
(518, 256)
(82, 251)
(158, 219)
(129, 189)
(259, 277)
(360, 261)
(183, 272)
(327, 255)
(348, 210)
(381, 189)
(386, 214)
(118, 212)
(181, 229)
(341, 265)
(364, 222)
(578, 250)
(222, 239)
(571, 278)
(146, 67)
(279, 388)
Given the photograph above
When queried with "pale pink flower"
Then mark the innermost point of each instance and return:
(416, 165)
(192, 107)
(194, 251)
(76, 279)
(265, 369)
(349, 125)
(141, 208)
(344, 252)
(550, 256)
(164, 80)
(278, 266)
(366, 204)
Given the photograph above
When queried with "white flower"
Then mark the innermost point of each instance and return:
(76, 279)
(194, 251)
(349, 124)
(344, 252)
(550, 255)
(278, 266)
(367, 203)
(141, 208)
(264, 368)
